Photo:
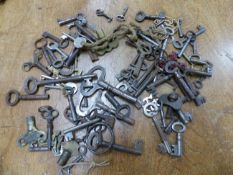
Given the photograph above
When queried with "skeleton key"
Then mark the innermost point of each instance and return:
(152, 114)
(190, 36)
(141, 16)
(31, 84)
(69, 91)
(179, 128)
(48, 113)
(13, 101)
(143, 50)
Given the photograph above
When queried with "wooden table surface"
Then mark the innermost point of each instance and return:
(208, 139)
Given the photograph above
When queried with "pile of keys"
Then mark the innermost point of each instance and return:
(100, 103)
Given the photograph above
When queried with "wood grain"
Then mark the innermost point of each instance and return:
(209, 138)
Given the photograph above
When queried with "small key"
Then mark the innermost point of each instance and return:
(121, 17)
(69, 91)
(179, 128)
(49, 113)
(13, 97)
(55, 47)
(141, 16)
(100, 12)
